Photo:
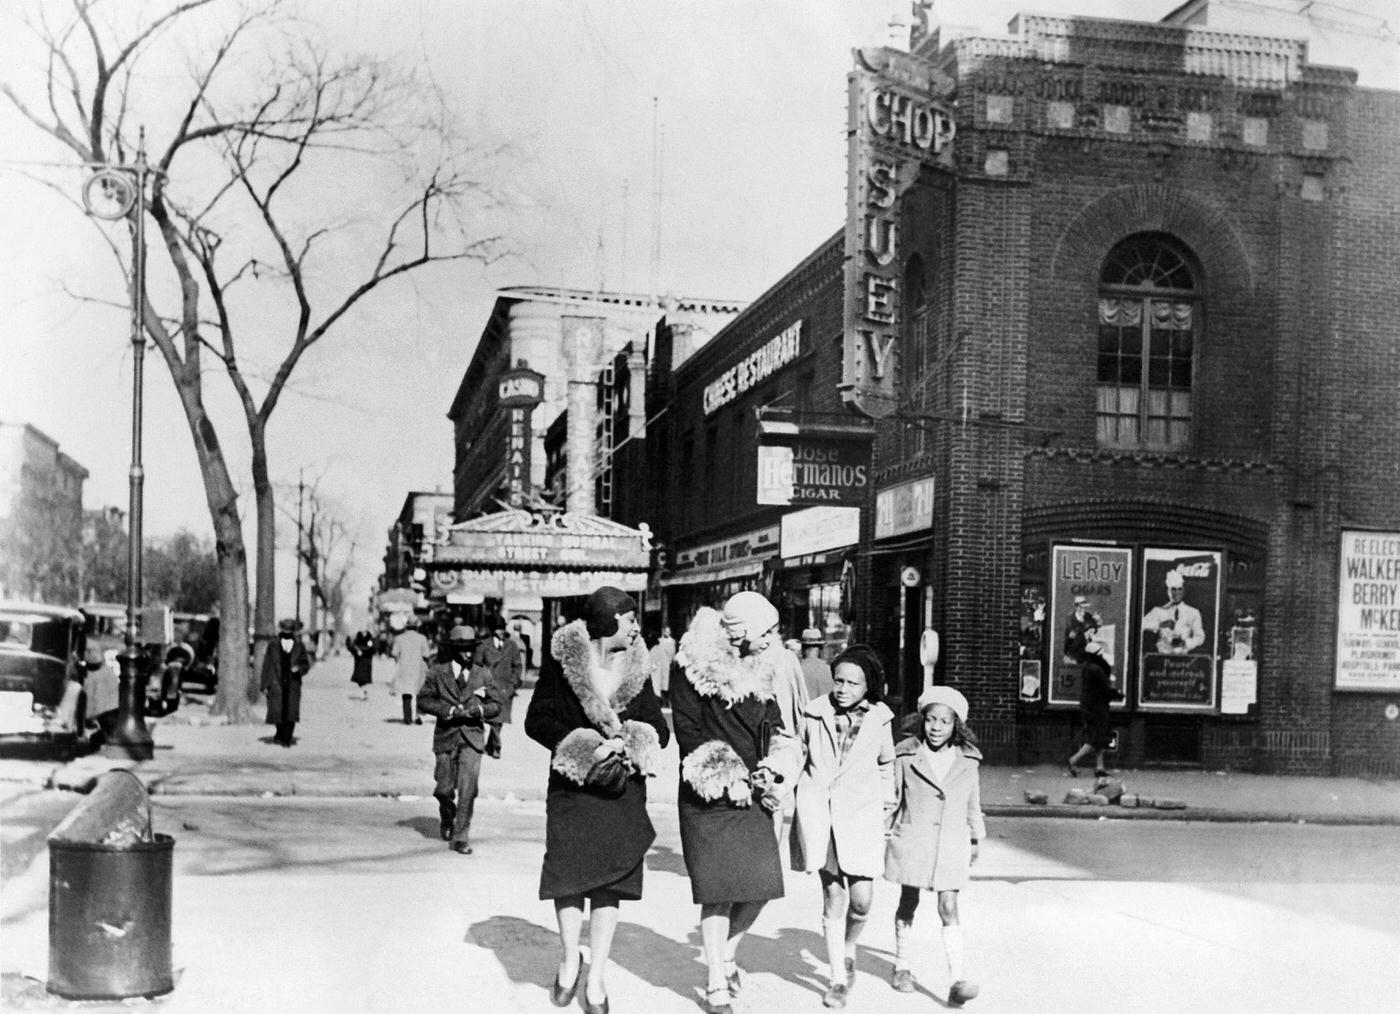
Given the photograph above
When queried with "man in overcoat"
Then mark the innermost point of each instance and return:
(463, 698)
(285, 663)
(501, 655)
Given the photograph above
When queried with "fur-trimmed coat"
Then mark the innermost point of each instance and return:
(594, 841)
(728, 724)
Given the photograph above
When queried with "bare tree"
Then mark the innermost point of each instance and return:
(326, 547)
(291, 185)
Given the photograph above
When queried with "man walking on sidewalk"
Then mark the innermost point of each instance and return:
(463, 698)
(502, 656)
(285, 663)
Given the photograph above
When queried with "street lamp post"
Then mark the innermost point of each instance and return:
(112, 193)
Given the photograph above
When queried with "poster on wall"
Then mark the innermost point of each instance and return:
(1180, 596)
(1368, 612)
(1090, 588)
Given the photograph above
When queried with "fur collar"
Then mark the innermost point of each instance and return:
(571, 647)
(714, 667)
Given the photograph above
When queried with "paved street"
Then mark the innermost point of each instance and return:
(346, 900)
(354, 905)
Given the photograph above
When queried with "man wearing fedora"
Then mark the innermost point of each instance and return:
(816, 672)
(464, 699)
(285, 663)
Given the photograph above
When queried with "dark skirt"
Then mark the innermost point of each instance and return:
(363, 674)
(1098, 728)
(731, 853)
(592, 843)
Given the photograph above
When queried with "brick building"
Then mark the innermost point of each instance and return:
(1139, 347)
(41, 517)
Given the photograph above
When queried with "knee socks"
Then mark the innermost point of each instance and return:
(903, 944)
(953, 951)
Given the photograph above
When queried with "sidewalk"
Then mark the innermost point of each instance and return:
(351, 747)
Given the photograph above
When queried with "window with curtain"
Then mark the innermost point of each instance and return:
(1149, 320)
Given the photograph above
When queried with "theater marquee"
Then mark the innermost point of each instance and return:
(899, 122)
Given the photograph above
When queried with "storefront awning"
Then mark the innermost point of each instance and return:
(723, 572)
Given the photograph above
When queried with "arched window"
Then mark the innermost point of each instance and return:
(1149, 318)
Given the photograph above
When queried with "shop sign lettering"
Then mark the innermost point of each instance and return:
(544, 548)
(897, 124)
(806, 470)
(768, 359)
(757, 543)
(904, 509)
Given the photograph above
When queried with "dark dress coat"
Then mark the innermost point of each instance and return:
(727, 721)
(1095, 695)
(506, 665)
(441, 693)
(361, 648)
(594, 841)
(281, 681)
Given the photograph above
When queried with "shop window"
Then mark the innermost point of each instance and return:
(1148, 322)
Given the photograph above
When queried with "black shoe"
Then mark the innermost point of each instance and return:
(418, 721)
(1073, 771)
(559, 995)
(461, 848)
(961, 991)
(445, 830)
(718, 1001)
(835, 995)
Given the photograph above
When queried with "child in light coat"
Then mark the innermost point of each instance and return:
(935, 830)
(844, 794)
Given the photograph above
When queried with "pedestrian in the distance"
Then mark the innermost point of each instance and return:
(816, 673)
(663, 659)
(411, 653)
(361, 648)
(844, 796)
(935, 830)
(595, 711)
(285, 663)
(735, 753)
(501, 655)
(1096, 693)
(463, 698)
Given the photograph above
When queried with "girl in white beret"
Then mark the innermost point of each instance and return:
(935, 830)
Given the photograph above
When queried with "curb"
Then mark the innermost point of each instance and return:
(1189, 814)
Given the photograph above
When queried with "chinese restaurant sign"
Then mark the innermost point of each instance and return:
(1181, 593)
(757, 366)
(1368, 612)
(1089, 596)
(898, 121)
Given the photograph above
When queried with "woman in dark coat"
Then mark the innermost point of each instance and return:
(595, 710)
(1096, 692)
(734, 752)
(285, 663)
(362, 649)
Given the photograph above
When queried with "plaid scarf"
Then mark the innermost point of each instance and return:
(847, 727)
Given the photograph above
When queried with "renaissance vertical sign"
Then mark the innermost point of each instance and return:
(898, 122)
(1368, 612)
(520, 390)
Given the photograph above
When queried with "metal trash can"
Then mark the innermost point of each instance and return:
(110, 897)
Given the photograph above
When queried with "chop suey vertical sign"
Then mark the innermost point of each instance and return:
(899, 121)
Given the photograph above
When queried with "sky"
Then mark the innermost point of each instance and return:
(744, 99)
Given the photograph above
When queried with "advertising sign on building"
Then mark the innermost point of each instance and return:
(544, 547)
(904, 509)
(519, 391)
(1181, 595)
(818, 529)
(756, 367)
(899, 120)
(1089, 595)
(805, 466)
(1368, 612)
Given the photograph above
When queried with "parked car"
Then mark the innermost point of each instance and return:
(44, 664)
(195, 651)
(106, 631)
